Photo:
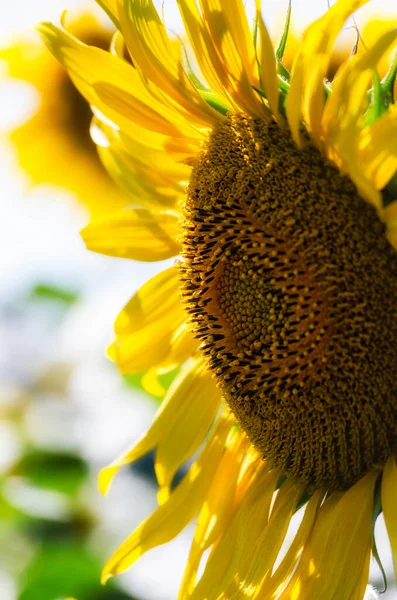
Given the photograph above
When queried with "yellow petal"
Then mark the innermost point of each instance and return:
(122, 96)
(335, 558)
(260, 554)
(151, 384)
(175, 409)
(268, 68)
(250, 518)
(173, 516)
(217, 508)
(389, 504)
(343, 115)
(378, 149)
(152, 50)
(134, 233)
(127, 174)
(169, 168)
(182, 345)
(359, 592)
(272, 586)
(146, 326)
(306, 95)
(130, 162)
(228, 26)
(195, 400)
(204, 49)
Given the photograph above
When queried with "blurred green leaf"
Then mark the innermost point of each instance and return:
(134, 381)
(52, 470)
(47, 292)
(65, 570)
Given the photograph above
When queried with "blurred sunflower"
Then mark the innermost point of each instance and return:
(278, 192)
(59, 129)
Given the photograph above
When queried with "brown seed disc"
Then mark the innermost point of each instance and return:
(290, 283)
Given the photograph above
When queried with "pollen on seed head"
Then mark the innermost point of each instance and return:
(290, 284)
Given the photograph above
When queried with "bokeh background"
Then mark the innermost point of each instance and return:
(65, 411)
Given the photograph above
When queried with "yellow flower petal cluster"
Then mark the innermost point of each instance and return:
(160, 128)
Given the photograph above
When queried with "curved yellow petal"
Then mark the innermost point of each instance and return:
(152, 50)
(305, 100)
(389, 505)
(173, 516)
(168, 170)
(274, 584)
(217, 508)
(343, 115)
(134, 233)
(175, 407)
(362, 585)
(146, 327)
(228, 26)
(343, 525)
(204, 49)
(260, 554)
(113, 86)
(131, 164)
(268, 67)
(248, 520)
(377, 152)
(195, 400)
(151, 384)
(129, 175)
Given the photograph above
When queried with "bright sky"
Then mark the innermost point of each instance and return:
(23, 14)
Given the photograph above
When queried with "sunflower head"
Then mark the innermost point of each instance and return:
(277, 191)
(290, 283)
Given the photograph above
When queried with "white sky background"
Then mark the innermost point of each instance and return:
(23, 14)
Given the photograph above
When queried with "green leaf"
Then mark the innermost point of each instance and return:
(56, 471)
(62, 570)
(48, 292)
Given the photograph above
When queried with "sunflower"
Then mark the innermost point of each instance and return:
(277, 191)
(59, 128)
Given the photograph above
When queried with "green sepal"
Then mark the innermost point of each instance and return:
(283, 40)
(388, 81)
(214, 102)
(204, 92)
(382, 93)
(283, 87)
(378, 103)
